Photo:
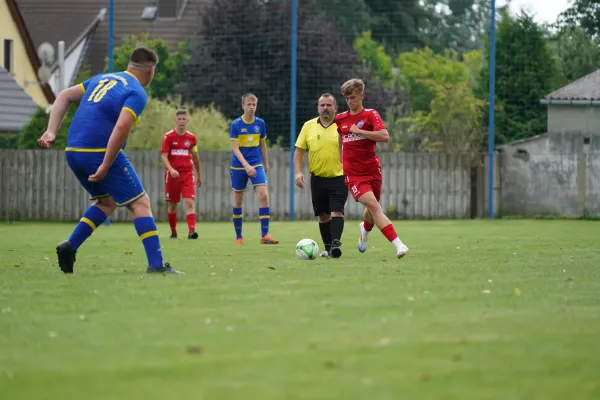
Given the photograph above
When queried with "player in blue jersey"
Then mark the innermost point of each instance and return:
(249, 160)
(110, 105)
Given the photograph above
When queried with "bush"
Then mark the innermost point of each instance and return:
(209, 126)
(9, 141)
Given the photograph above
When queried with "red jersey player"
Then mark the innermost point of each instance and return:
(179, 153)
(359, 131)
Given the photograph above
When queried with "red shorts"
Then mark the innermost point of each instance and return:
(175, 188)
(359, 185)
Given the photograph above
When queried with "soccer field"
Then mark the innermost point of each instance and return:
(503, 309)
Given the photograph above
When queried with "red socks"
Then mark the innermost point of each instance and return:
(191, 221)
(172, 222)
(368, 226)
(389, 232)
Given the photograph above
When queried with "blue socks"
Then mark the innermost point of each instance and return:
(265, 217)
(148, 233)
(264, 214)
(237, 222)
(92, 219)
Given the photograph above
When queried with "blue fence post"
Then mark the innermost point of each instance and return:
(491, 121)
(293, 89)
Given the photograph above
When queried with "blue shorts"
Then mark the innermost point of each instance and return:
(121, 182)
(239, 178)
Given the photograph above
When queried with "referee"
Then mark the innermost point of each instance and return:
(319, 136)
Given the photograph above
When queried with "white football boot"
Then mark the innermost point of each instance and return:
(363, 240)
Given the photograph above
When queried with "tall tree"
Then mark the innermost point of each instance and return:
(244, 46)
(459, 25)
(525, 73)
(396, 24)
(577, 54)
(168, 75)
(583, 13)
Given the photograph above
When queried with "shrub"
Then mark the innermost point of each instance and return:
(209, 126)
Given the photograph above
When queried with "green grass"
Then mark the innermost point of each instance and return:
(253, 322)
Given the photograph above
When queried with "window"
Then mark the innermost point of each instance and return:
(8, 54)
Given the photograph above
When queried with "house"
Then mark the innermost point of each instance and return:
(558, 171)
(83, 26)
(16, 106)
(19, 56)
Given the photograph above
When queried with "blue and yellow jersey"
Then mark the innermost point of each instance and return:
(104, 97)
(248, 135)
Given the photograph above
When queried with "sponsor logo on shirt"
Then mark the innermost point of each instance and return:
(352, 137)
(180, 152)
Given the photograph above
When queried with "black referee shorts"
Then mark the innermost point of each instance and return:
(328, 194)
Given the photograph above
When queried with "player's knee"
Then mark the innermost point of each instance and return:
(337, 214)
(263, 193)
(107, 204)
(171, 207)
(188, 204)
(238, 198)
(141, 207)
(324, 218)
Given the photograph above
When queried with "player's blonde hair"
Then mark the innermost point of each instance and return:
(181, 111)
(352, 86)
(249, 96)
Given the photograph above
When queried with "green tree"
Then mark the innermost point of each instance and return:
(168, 74)
(445, 114)
(420, 67)
(209, 126)
(228, 61)
(525, 73)
(577, 54)
(584, 14)
(373, 56)
(396, 24)
(458, 25)
(454, 124)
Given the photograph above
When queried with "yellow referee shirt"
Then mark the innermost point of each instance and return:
(323, 148)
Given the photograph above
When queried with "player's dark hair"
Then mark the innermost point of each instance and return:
(329, 95)
(143, 57)
(351, 86)
(181, 111)
(245, 96)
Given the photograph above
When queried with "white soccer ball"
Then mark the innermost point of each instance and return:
(307, 249)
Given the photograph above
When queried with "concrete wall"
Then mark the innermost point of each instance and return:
(573, 118)
(553, 174)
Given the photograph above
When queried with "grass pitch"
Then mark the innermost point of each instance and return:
(477, 310)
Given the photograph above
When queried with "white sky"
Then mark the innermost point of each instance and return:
(543, 10)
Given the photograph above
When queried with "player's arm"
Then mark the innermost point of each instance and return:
(132, 108)
(263, 152)
(379, 133)
(196, 161)
(300, 150)
(235, 146)
(165, 149)
(340, 142)
(59, 110)
(118, 137)
(263, 147)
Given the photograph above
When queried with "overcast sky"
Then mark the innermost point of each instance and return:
(543, 10)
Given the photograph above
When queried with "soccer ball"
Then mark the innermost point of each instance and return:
(307, 249)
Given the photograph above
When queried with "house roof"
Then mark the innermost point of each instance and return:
(29, 47)
(55, 20)
(586, 88)
(82, 42)
(16, 107)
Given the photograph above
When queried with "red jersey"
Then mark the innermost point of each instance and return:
(358, 153)
(179, 148)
